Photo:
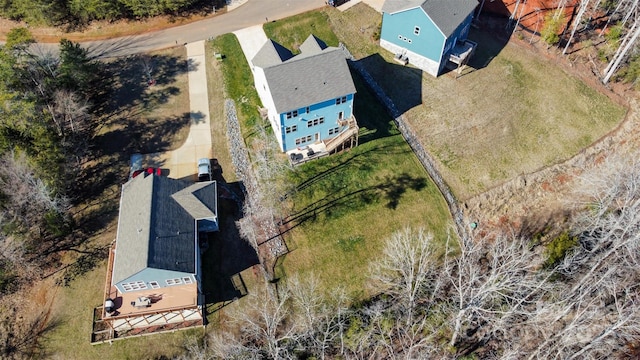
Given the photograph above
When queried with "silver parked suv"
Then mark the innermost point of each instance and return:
(204, 170)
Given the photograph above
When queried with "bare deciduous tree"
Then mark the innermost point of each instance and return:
(496, 284)
(265, 324)
(321, 319)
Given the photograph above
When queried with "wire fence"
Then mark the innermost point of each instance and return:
(410, 137)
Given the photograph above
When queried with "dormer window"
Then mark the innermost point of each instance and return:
(341, 100)
(416, 30)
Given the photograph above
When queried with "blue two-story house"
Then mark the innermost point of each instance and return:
(428, 33)
(308, 97)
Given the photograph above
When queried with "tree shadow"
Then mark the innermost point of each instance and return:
(402, 84)
(124, 129)
(391, 189)
(353, 159)
(197, 117)
(120, 46)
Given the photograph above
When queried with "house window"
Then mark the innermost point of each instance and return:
(341, 100)
(134, 285)
(173, 281)
(399, 37)
(409, 41)
(416, 30)
(292, 114)
(187, 280)
(315, 122)
(290, 129)
(303, 140)
(334, 131)
(404, 38)
(308, 109)
(154, 284)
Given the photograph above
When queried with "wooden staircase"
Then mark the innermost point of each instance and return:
(348, 137)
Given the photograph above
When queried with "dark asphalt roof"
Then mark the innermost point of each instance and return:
(157, 224)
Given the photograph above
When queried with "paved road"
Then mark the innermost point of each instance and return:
(253, 12)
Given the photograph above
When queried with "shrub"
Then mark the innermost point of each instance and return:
(553, 23)
(558, 248)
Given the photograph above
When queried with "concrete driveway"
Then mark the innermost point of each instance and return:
(181, 162)
(251, 39)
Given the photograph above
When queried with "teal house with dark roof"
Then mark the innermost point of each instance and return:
(308, 97)
(154, 264)
(429, 34)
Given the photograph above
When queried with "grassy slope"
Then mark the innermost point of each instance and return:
(347, 204)
(514, 116)
(517, 113)
(238, 83)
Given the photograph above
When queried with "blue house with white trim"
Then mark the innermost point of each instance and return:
(428, 34)
(308, 97)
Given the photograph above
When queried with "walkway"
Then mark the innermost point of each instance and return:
(182, 161)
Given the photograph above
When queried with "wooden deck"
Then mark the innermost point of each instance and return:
(345, 140)
(171, 308)
(172, 297)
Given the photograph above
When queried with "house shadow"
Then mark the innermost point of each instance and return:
(402, 84)
(373, 119)
(491, 35)
(228, 254)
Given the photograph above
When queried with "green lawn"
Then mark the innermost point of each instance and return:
(348, 204)
(292, 31)
(515, 114)
(238, 83)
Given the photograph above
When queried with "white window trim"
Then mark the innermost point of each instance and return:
(171, 282)
(134, 286)
(416, 30)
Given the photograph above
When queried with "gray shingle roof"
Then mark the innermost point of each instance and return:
(156, 230)
(317, 74)
(312, 45)
(446, 14)
(271, 53)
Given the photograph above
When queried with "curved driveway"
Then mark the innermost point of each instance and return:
(253, 12)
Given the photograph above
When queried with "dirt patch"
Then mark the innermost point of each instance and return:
(101, 30)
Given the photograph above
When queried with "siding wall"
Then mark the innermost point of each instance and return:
(400, 26)
(327, 110)
(158, 275)
(427, 65)
(262, 87)
(460, 34)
